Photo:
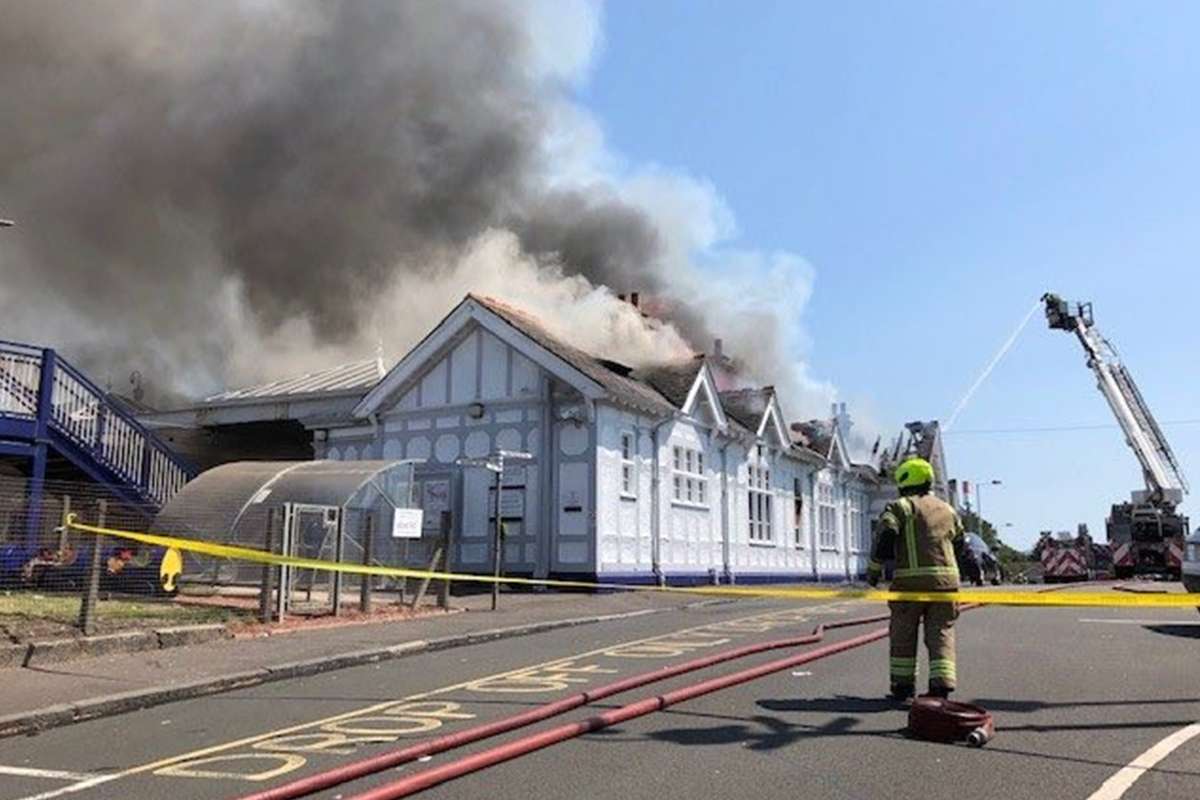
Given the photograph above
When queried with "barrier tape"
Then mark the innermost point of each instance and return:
(982, 596)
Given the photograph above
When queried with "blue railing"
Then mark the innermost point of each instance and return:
(38, 385)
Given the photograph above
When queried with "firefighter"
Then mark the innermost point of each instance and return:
(925, 536)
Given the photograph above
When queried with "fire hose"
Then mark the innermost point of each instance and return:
(940, 720)
(496, 755)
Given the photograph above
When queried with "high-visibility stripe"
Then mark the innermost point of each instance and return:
(922, 571)
(910, 532)
(942, 668)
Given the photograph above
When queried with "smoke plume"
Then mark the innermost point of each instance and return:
(219, 193)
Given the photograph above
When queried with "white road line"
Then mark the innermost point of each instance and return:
(1191, 623)
(1116, 786)
(74, 787)
(53, 774)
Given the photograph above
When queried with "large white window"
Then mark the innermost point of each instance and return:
(826, 516)
(690, 485)
(760, 503)
(798, 512)
(628, 465)
(854, 528)
(864, 529)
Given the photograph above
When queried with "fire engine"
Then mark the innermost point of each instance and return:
(1065, 558)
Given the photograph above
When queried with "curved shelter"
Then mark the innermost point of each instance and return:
(314, 509)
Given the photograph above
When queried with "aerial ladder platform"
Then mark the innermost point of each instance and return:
(1147, 534)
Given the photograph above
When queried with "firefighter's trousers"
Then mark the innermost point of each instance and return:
(939, 640)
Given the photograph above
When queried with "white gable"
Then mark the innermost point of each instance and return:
(838, 455)
(772, 421)
(702, 400)
(471, 355)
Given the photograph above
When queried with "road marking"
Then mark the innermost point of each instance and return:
(801, 615)
(74, 787)
(52, 774)
(1191, 623)
(1116, 786)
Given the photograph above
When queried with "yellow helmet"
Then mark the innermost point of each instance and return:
(913, 472)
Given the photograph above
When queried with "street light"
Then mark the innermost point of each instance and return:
(979, 502)
(494, 462)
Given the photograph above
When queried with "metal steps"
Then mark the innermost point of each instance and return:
(49, 407)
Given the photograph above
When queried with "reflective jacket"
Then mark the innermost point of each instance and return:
(925, 536)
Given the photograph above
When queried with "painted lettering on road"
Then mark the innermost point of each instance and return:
(270, 755)
(417, 716)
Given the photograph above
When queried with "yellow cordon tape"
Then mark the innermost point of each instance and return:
(987, 597)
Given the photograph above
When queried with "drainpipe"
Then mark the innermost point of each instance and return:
(376, 436)
(814, 518)
(845, 517)
(656, 506)
(726, 572)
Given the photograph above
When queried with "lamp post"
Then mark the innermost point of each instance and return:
(979, 503)
(494, 463)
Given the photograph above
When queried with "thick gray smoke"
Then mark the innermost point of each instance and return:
(223, 192)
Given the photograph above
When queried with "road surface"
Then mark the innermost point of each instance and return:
(1078, 695)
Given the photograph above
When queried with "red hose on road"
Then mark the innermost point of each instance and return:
(505, 752)
(377, 763)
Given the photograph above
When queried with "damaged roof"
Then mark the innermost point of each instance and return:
(357, 376)
(672, 381)
(614, 378)
(747, 406)
(817, 434)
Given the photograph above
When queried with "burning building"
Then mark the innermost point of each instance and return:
(635, 474)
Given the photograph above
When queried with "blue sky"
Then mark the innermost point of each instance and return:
(941, 165)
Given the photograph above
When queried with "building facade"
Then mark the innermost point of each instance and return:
(633, 476)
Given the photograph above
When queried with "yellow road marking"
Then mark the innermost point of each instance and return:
(202, 753)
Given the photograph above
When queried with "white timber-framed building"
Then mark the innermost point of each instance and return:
(637, 475)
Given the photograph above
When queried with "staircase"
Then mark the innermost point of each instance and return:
(48, 408)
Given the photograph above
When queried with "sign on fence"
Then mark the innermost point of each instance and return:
(406, 523)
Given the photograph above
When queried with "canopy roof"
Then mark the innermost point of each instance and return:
(231, 503)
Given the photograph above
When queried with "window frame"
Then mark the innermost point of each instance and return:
(760, 509)
(826, 502)
(854, 519)
(629, 472)
(799, 540)
(688, 480)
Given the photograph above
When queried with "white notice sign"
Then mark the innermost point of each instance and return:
(406, 523)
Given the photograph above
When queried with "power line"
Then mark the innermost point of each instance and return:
(1058, 428)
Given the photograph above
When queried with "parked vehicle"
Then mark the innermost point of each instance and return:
(979, 564)
(1191, 563)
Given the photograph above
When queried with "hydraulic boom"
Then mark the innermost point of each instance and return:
(1147, 533)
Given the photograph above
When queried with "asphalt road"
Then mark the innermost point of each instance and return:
(1077, 694)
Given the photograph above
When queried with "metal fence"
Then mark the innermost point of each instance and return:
(56, 581)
